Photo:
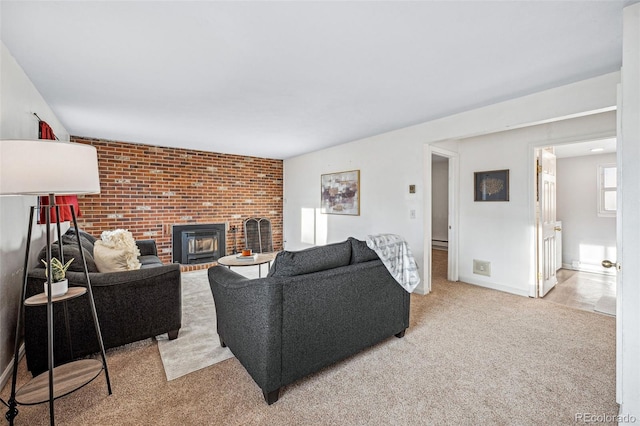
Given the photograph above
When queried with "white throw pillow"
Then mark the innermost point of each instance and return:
(116, 251)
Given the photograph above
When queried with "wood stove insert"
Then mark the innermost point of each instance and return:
(198, 243)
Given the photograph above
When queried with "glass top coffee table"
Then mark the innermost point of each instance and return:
(260, 259)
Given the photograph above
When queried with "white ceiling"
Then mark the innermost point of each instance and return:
(600, 146)
(279, 79)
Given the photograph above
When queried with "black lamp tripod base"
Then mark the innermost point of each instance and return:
(13, 411)
(15, 398)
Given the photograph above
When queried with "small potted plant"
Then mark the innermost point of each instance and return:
(59, 284)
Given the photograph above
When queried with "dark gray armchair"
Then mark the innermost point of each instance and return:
(131, 305)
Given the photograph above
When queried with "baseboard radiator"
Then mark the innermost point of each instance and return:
(440, 244)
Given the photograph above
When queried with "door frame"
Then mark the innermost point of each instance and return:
(454, 189)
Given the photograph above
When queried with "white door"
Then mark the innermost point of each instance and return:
(546, 221)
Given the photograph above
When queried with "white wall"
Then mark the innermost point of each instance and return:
(440, 200)
(385, 201)
(503, 233)
(586, 237)
(19, 99)
(391, 161)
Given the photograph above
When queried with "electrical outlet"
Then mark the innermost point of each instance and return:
(412, 214)
(482, 267)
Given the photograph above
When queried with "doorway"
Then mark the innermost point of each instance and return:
(584, 234)
(439, 202)
(441, 218)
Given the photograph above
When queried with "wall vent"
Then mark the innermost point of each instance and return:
(481, 267)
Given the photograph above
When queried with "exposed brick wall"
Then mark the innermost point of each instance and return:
(147, 189)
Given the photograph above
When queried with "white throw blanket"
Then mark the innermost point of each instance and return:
(396, 255)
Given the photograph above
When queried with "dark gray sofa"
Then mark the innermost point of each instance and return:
(131, 305)
(315, 307)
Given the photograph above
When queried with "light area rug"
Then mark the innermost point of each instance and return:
(606, 305)
(197, 345)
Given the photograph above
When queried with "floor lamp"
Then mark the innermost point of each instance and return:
(50, 168)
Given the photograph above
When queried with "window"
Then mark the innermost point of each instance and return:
(607, 187)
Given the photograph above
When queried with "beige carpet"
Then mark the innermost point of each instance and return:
(197, 345)
(471, 356)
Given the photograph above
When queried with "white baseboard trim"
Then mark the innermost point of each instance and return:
(494, 286)
(593, 269)
(421, 290)
(8, 372)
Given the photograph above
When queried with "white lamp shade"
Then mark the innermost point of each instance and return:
(41, 167)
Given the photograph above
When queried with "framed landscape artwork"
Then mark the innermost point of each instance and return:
(491, 186)
(340, 193)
